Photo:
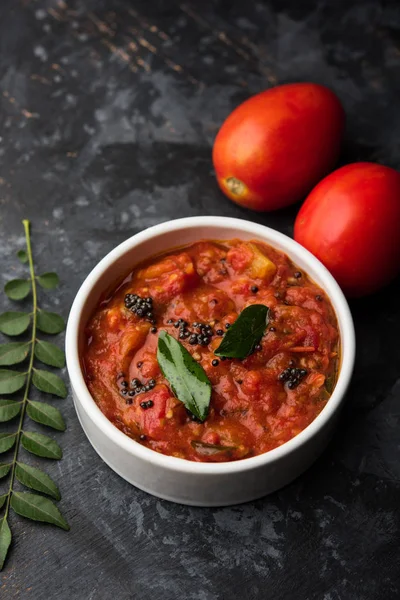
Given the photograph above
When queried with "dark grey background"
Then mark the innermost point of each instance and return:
(108, 113)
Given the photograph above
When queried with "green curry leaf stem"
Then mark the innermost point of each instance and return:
(26, 225)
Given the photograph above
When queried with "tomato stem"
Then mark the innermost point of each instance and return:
(235, 186)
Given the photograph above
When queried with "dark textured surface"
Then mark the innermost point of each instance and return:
(108, 113)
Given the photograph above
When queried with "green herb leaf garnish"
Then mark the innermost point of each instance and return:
(7, 441)
(23, 256)
(9, 409)
(13, 353)
(210, 449)
(48, 281)
(4, 470)
(45, 414)
(5, 540)
(49, 354)
(48, 382)
(41, 445)
(14, 323)
(17, 289)
(51, 323)
(11, 381)
(36, 480)
(246, 332)
(186, 377)
(22, 410)
(37, 508)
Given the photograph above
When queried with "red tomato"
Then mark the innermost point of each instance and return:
(274, 147)
(351, 222)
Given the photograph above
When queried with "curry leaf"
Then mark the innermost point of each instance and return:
(3, 498)
(9, 409)
(4, 470)
(187, 378)
(49, 354)
(46, 415)
(49, 322)
(243, 336)
(13, 353)
(210, 449)
(330, 383)
(5, 540)
(7, 441)
(11, 381)
(23, 257)
(41, 445)
(48, 280)
(49, 382)
(37, 508)
(37, 480)
(17, 289)
(14, 323)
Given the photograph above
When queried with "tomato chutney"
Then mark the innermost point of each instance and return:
(195, 294)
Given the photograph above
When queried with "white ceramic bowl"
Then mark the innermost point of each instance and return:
(176, 479)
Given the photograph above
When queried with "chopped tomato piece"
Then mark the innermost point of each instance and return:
(131, 341)
(240, 257)
(249, 258)
(209, 261)
(150, 421)
(168, 277)
(261, 267)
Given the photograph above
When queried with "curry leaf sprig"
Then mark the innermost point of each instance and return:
(26, 353)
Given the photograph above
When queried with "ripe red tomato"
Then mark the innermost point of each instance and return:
(274, 147)
(351, 222)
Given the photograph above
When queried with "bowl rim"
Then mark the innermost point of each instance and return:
(182, 465)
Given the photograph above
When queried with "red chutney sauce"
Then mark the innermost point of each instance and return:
(196, 293)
